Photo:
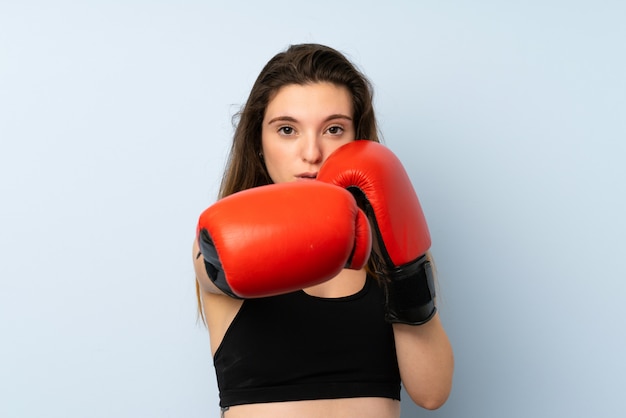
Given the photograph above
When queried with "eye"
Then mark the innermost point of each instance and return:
(335, 130)
(286, 130)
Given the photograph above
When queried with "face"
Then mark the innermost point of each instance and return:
(303, 125)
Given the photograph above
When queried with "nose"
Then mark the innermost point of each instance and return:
(312, 150)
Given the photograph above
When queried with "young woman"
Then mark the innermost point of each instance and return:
(292, 332)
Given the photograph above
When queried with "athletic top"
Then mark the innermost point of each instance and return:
(300, 347)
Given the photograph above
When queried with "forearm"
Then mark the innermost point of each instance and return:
(426, 362)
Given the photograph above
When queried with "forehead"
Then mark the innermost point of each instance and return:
(314, 97)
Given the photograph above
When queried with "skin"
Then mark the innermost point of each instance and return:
(303, 125)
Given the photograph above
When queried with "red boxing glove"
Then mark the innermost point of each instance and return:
(279, 238)
(376, 177)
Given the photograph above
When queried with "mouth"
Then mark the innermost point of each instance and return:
(306, 176)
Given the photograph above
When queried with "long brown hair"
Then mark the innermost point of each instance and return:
(299, 64)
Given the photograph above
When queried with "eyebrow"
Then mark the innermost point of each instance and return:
(292, 119)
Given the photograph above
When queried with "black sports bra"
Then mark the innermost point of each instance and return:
(300, 347)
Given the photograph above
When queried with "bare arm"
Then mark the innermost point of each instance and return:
(426, 362)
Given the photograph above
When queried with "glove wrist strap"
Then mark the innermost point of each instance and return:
(213, 264)
(410, 296)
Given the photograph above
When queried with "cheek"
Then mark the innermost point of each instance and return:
(334, 146)
(273, 154)
(275, 158)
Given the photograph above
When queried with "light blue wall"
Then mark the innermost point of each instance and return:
(114, 125)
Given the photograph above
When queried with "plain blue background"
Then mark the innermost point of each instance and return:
(115, 119)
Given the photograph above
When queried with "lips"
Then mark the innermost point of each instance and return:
(306, 176)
